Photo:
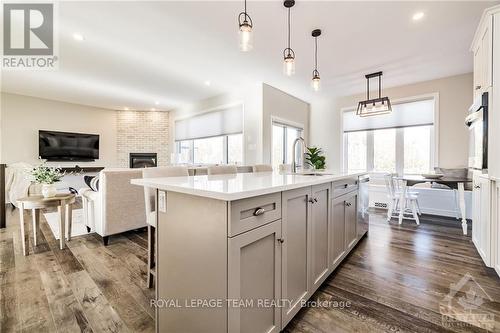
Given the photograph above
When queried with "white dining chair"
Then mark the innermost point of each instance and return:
(262, 168)
(410, 206)
(222, 169)
(150, 203)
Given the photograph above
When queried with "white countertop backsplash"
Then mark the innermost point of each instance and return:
(239, 186)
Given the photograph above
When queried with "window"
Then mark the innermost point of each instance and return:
(384, 150)
(283, 138)
(213, 137)
(401, 142)
(356, 153)
(417, 149)
(225, 149)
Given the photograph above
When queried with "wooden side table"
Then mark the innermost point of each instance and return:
(36, 203)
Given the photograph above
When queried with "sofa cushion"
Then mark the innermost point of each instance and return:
(92, 182)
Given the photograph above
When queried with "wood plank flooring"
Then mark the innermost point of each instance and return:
(396, 280)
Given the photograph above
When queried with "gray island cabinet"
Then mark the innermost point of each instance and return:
(243, 253)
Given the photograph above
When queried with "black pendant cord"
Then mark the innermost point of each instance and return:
(379, 86)
(245, 7)
(289, 28)
(316, 53)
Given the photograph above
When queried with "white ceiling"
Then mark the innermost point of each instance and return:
(136, 53)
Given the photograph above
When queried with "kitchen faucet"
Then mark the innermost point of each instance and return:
(294, 150)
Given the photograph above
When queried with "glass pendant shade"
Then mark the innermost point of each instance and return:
(289, 65)
(246, 37)
(374, 107)
(315, 83)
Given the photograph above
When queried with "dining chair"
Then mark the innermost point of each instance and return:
(262, 168)
(222, 169)
(410, 205)
(150, 203)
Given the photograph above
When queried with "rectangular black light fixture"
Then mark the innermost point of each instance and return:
(375, 106)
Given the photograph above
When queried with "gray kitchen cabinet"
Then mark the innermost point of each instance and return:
(343, 230)
(254, 276)
(351, 213)
(320, 216)
(296, 250)
(337, 231)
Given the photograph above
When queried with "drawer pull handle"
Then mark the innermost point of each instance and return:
(345, 185)
(478, 87)
(281, 240)
(348, 204)
(259, 211)
(311, 200)
(315, 200)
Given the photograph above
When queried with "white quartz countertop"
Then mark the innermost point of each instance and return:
(239, 186)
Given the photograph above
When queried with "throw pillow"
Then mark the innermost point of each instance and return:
(92, 182)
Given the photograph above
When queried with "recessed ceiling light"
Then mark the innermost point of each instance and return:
(78, 37)
(207, 83)
(418, 16)
(157, 103)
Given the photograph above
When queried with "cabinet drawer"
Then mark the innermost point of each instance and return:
(345, 186)
(247, 214)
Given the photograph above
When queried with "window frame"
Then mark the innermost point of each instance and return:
(225, 149)
(434, 139)
(284, 124)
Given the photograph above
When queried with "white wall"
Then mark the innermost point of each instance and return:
(23, 116)
(455, 97)
(279, 105)
(251, 98)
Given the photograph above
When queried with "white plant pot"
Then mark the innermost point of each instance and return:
(49, 190)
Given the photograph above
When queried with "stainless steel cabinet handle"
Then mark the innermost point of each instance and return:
(348, 204)
(281, 240)
(259, 211)
(478, 87)
(477, 186)
(315, 200)
(311, 200)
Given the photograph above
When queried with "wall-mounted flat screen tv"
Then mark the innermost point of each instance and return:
(64, 146)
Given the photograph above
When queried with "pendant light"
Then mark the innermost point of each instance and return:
(245, 23)
(376, 106)
(288, 54)
(315, 82)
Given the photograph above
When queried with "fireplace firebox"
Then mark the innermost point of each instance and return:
(143, 160)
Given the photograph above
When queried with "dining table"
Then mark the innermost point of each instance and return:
(453, 183)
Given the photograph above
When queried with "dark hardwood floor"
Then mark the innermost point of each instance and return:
(396, 280)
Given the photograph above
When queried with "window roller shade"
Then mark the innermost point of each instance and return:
(402, 115)
(221, 122)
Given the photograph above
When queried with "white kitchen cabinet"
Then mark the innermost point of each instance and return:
(254, 273)
(481, 217)
(494, 109)
(496, 226)
(320, 216)
(296, 250)
(483, 57)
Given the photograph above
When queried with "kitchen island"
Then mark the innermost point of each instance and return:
(244, 252)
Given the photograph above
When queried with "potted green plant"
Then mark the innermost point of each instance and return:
(47, 177)
(315, 158)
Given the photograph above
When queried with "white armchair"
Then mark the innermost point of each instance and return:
(117, 207)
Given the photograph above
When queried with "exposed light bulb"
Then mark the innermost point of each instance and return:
(315, 83)
(289, 65)
(246, 37)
